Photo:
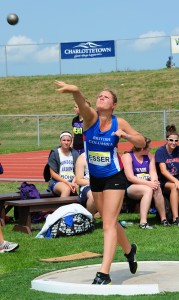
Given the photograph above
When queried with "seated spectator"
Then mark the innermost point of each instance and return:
(169, 63)
(139, 167)
(167, 164)
(6, 246)
(82, 179)
(62, 162)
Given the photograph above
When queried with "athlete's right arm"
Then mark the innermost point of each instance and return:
(88, 113)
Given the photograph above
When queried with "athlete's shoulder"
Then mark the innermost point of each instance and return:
(121, 122)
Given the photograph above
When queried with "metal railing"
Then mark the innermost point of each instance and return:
(43, 130)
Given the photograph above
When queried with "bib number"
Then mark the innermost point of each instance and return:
(144, 176)
(99, 158)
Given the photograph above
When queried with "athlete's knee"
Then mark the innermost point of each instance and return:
(109, 225)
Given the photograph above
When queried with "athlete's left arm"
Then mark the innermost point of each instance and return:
(126, 131)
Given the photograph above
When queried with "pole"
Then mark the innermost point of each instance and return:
(5, 50)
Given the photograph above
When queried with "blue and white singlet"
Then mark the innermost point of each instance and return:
(101, 150)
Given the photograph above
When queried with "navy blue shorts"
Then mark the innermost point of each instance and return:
(54, 184)
(117, 181)
(82, 199)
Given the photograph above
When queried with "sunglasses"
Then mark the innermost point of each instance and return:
(172, 140)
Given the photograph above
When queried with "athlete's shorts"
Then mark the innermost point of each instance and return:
(115, 182)
(82, 199)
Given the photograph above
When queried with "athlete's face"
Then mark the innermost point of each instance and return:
(172, 141)
(65, 142)
(105, 101)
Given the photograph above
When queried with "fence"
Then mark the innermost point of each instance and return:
(34, 131)
(44, 59)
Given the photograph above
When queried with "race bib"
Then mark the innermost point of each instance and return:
(67, 175)
(144, 176)
(99, 158)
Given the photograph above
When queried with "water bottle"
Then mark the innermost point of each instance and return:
(126, 224)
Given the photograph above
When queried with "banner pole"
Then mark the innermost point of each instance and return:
(116, 54)
(60, 59)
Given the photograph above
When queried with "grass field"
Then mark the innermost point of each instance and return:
(19, 268)
(137, 91)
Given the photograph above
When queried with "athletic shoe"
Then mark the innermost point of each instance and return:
(165, 223)
(145, 226)
(176, 222)
(131, 259)
(8, 247)
(99, 279)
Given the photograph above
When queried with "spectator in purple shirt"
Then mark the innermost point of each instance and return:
(139, 168)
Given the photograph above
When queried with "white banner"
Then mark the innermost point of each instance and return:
(174, 43)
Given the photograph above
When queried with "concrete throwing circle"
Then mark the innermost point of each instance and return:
(152, 277)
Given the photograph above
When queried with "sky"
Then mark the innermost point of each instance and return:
(141, 30)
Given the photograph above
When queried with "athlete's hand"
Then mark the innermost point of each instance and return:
(73, 189)
(121, 134)
(154, 184)
(72, 186)
(66, 88)
(177, 184)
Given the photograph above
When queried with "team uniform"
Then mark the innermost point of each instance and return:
(77, 125)
(171, 161)
(104, 163)
(141, 170)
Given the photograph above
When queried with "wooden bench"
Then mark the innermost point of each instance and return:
(131, 205)
(15, 196)
(26, 207)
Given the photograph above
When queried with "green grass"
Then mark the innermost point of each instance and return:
(136, 91)
(155, 90)
(19, 268)
(141, 91)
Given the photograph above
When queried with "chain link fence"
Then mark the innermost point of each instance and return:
(144, 53)
(42, 131)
